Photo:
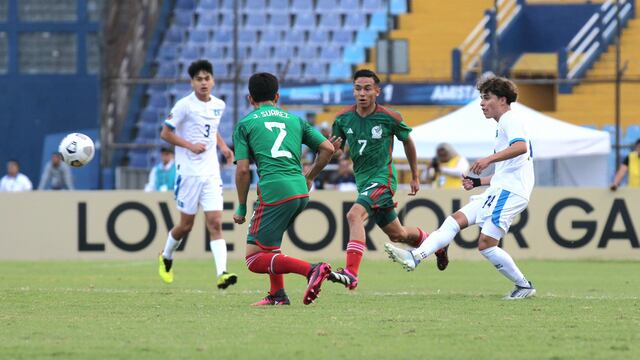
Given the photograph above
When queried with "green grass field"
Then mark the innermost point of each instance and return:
(117, 309)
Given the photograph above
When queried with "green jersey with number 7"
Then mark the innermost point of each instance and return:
(273, 138)
(370, 142)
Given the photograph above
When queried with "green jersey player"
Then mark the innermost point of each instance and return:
(369, 130)
(273, 138)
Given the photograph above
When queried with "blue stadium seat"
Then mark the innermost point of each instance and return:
(347, 6)
(167, 70)
(208, 20)
(159, 101)
(280, 7)
(222, 36)
(267, 66)
(175, 34)
(168, 51)
(154, 89)
(227, 6)
(256, 5)
(398, 7)
(190, 52)
(355, 21)
(378, 22)
(148, 130)
(292, 71)
(342, 37)
(261, 52)
(221, 70)
(330, 21)
(199, 36)
(181, 90)
(326, 6)
(305, 21)
(283, 53)
(271, 37)
(226, 21)
(247, 36)
(318, 37)
(138, 159)
(301, 6)
(256, 20)
(206, 5)
(339, 71)
(315, 71)
(354, 55)
(247, 70)
(366, 38)
(280, 22)
(308, 52)
(372, 6)
(214, 52)
(186, 4)
(295, 36)
(631, 135)
(150, 116)
(330, 53)
(183, 18)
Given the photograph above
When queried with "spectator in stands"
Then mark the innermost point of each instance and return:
(447, 168)
(630, 164)
(14, 180)
(345, 180)
(56, 175)
(162, 176)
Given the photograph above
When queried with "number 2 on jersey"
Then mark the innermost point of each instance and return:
(275, 149)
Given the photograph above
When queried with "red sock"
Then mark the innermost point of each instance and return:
(277, 283)
(259, 262)
(355, 250)
(283, 264)
(423, 236)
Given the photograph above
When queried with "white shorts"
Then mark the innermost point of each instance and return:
(494, 211)
(191, 191)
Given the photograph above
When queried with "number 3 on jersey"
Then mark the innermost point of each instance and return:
(275, 149)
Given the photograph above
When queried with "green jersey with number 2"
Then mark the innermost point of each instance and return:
(274, 138)
(370, 142)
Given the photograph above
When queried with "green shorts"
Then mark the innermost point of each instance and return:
(378, 201)
(268, 223)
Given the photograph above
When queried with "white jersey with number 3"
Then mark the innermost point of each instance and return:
(197, 122)
(515, 174)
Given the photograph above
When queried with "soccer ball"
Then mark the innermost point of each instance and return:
(76, 149)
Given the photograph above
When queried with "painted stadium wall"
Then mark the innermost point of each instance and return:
(560, 223)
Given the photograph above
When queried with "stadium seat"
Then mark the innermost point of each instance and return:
(150, 116)
(305, 21)
(330, 53)
(247, 37)
(148, 130)
(354, 55)
(632, 134)
(261, 52)
(222, 36)
(366, 38)
(378, 22)
(271, 37)
(226, 21)
(183, 18)
(398, 7)
(267, 66)
(347, 6)
(181, 90)
(283, 53)
(256, 6)
(255, 20)
(318, 37)
(167, 70)
(342, 37)
(208, 20)
(330, 21)
(327, 6)
(214, 52)
(301, 6)
(279, 7)
(199, 36)
(355, 21)
(227, 6)
(339, 71)
(175, 34)
(372, 6)
(190, 52)
(156, 89)
(295, 36)
(292, 71)
(247, 70)
(159, 101)
(308, 52)
(315, 71)
(280, 22)
(186, 4)
(138, 159)
(221, 70)
(206, 5)
(168, 51)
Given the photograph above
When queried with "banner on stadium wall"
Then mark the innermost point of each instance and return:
(397, 94)
(560, 223)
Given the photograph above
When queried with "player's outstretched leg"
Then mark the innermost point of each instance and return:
(442, 258)
(317, 275)
(401, 256)
(164, 269)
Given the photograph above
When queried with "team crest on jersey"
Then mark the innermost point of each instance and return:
(349, 131)
(217, 112)
(376, 132)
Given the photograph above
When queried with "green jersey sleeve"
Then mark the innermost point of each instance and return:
(336, 130)
(402, 131)
(310, 136)
(240, 143)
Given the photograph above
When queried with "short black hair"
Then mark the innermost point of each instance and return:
(637, 142)
(166, 149)
(366, 73)
(15, 161)
(199, 65)
(263, 87)
(500, 87)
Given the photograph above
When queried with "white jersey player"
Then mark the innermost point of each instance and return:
(192, 126)
(508, 193)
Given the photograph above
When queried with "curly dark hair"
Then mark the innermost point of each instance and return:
(500, 87)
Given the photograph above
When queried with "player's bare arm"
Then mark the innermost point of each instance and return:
(469, 183)
(226, 151)
(412, 157)
(516, 149)
(325, 152)
(243, 180)
(172, 138)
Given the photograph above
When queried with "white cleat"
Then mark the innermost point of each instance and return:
(521, 292)
(402, 256)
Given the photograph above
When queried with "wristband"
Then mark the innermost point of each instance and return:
(476, 181)
(241, 210)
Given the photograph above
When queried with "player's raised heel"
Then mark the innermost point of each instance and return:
(442, 258)
(227, 279)
(318, 274)
(401, 256)
(521, 292)
(344, 277)
(164, 269)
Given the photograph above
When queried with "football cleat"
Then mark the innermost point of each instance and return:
(317, 275)
(401, 256)
(279, 298)
(442, 259)
(344, 277)
(164, 269)
(521, 292)
(227, 279)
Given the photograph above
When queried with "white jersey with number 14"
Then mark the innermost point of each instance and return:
(197, 122)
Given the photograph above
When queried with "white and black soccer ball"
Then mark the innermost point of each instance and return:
(76, 149)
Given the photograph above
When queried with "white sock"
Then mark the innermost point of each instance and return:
(171, 246)
(219, 251)
(505, 264)
(437, 239)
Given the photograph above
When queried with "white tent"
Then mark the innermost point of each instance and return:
(564, 154)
